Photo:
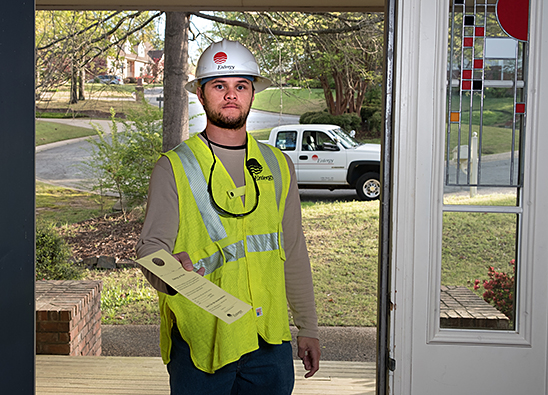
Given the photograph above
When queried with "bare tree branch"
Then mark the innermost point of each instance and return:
(298, 33)
(79, 32)
(120, 40)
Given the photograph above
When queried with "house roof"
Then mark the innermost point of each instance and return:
(156, 54)
(150, 54)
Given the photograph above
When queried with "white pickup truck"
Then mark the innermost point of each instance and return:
(326, 157)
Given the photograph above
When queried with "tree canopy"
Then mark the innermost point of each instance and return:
(69, 42)
(339, 52)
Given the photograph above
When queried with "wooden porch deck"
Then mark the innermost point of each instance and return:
(148, 376)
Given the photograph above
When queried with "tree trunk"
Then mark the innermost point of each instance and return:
(73, 84)
(175, 121)
(362, 88)
(81, 93)
(328, 95)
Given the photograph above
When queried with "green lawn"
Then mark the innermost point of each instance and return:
(342, 238)
(495, 140)
(471, 242)
(496, 133)
(292, 101)
(50, 132)
(60, 205)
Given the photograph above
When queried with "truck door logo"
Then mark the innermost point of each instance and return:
(317, 159)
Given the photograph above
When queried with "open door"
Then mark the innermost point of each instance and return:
(469, 198)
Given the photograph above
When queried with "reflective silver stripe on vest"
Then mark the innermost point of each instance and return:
(272, 162)
(232, 253)
(198, 186)
(261, 243)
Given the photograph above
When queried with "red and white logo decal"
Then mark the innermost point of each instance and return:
(315, 158)
(220, 57)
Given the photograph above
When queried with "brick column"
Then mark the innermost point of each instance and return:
(68, 317)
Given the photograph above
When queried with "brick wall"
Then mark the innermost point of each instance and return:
(68, 317)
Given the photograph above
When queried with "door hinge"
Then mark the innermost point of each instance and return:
(391, 364)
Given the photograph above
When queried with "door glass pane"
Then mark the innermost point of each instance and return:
(483, 163)
(477, 274)
(486, 101)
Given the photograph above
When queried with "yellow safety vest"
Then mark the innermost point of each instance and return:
(244, 256)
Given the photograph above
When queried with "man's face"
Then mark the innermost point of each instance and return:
(227, 101)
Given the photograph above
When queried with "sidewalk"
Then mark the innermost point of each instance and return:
(337, 343)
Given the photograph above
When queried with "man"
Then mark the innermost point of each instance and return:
(228, 208)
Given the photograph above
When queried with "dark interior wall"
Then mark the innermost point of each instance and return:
(17, 202)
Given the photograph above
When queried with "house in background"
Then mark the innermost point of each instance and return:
(138, 61)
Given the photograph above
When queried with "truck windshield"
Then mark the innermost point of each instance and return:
(345, 139)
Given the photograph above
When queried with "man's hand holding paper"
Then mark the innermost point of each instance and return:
(174, 271)
(187, 263)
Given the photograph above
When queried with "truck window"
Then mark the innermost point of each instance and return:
(324, 142)
(309, 141)
(286, 141)
(318, 141)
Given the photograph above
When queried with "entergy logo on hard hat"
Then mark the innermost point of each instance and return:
(220, 57)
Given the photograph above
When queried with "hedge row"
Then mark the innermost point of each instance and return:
(371, 119)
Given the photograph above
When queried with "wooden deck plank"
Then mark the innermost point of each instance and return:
(63, 375)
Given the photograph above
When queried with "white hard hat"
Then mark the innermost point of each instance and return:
(227, 58)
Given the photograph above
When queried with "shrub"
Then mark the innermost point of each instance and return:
(305, 118)
(52, 255)
(375, 122)
(346, 121)
(373, 94)
(368, 110)
(122, 162)
(499, 289)
(321, 117)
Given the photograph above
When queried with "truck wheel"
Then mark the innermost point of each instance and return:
(368, 186)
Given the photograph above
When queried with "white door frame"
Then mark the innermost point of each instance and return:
(430, 360)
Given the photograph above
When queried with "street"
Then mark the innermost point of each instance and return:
(61, 163)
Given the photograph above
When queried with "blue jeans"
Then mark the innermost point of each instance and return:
(266, 371)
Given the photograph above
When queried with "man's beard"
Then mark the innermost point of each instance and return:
(224, 122)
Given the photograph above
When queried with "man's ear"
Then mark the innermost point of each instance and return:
(199, 93)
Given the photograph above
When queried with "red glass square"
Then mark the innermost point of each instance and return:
(479, 31)
(520, 108)
(466, 85)
(466, 74)
(468, 42)
(478, 63)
